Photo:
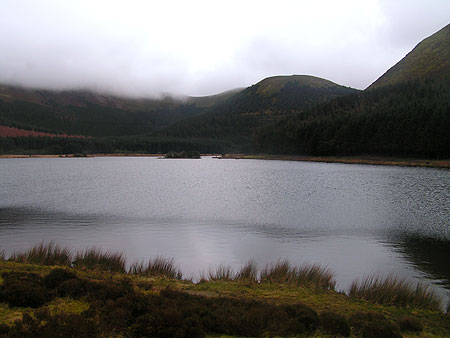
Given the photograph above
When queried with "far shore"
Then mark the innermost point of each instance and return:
(371, 160)
(82, 156)
(405, 162)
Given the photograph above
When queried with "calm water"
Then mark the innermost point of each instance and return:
(357, 219)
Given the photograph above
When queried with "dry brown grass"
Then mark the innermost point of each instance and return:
(393, 290)
(44, 254)
(309, 275)
(158, 266)
(94, 258)
(248, 272)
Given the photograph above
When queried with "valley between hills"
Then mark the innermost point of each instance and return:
(405, 114)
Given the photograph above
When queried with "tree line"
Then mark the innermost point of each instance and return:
(406, 120)
(409, 119)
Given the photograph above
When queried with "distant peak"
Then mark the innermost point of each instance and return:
(274, 84)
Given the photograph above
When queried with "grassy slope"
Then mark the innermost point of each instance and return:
(274, 84)
(435, 323)
(430, 58)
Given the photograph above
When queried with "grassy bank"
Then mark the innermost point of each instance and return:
(49, 291)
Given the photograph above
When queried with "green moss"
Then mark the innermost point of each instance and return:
(68, 305)
(9, 315)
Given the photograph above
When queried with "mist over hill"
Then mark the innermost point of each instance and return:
(403, 113)
(228, 118)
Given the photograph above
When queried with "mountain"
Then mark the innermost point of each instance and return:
(96, 114)
(211, 100)
(235, 119)
(228, 119)
(275, 84)
(430, 59)
(282, 95)
(404, 120)
(405, 113)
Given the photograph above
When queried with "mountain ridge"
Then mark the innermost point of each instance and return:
(428, 59)
(406, 112)
(84, 112)
(272, 99)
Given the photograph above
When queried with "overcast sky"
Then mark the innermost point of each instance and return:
(144, 48)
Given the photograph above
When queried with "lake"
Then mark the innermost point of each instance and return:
(356, 219)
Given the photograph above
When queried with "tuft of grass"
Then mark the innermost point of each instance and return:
(309, 275)
(2, 255)
(44, 254)
(94, 258)
(393, 290)
(159, 266)
(137, 268)
(278, 272)
(248, 272)
(222, 272)
(313, 275)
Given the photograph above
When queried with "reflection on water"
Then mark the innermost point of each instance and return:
(429, 255)
(355, 219)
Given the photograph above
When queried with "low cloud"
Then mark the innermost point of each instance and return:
(140, 48)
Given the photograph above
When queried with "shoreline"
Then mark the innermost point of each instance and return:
(401, 162)
(80, 156)
(100, 286)
(388, 161)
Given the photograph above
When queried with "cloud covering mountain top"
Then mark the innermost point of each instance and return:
(145, 48)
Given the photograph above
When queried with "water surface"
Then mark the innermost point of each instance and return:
(357, 219)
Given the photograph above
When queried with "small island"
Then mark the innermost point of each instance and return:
(183, 154)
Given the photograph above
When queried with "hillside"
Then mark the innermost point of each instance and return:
(211, 100)
(84, 113)
(96, 114)
(282, 95)
(273, 85)
(405, 120)
(430, 59)
(218, 123)
(270, 100)
(405, 113)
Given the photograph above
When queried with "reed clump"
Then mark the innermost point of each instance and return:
(393, 290)
(95, 259)
(158, 266)
(248, 272)
(222, 272)
(278, 272)
(309, 275)
(314, 275)
(44, 254)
